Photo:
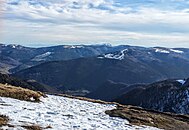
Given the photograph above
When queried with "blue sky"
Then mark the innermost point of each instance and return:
(133, 22)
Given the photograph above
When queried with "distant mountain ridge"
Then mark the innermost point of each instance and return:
(131, 65)
(19, 57)
(16, 57)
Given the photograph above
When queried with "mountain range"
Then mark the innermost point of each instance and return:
(131, 65)
(16, 57)
(152, 78)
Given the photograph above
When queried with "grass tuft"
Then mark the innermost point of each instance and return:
(3, 120)
(32, 127)
(20, 93)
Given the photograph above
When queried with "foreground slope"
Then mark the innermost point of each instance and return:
(138, 116)
(63, 113)
(69, 112)
(19, 93)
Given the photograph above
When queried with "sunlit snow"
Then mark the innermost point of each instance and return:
(176, 51)
(162, 51)
(181, 81)
(63, 113)
(119, 56)
(42, 56)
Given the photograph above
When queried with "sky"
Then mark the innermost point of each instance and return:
(133, 22)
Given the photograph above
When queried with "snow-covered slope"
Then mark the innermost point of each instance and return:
(119, 56)
(63, 113)
(42, 57)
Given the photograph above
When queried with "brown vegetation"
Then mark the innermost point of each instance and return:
(35, 127)
(140, 116)
(19, 93)
(3, 120)
(32, 127)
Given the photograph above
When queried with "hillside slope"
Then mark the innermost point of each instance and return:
(19, 93)
(167, 96)
(57, 112)
(109, 90)
(89, 73)
(16, 57)
(129, 66)
(29, 84)
(63, 113)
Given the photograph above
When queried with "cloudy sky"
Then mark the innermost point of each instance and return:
(133, 22)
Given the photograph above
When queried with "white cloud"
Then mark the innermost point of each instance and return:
(86, 21)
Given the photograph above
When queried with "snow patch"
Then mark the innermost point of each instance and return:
(74, 47)
(167, 51)
(32, 99)
(64, 113)
(13, 46)
(42, 56)
(181, 81)
(161, 51)
(176, 51)
(119, 56)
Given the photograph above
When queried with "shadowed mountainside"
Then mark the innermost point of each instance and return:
(167, 96)
(129, 66)
(29, 84)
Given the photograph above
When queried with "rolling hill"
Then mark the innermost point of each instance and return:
(16, 57)
(129, 66)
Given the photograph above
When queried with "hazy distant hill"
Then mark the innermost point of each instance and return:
(15, 57)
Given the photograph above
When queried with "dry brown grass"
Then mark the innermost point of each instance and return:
(35, 127)
(19, 93)
(32, 127)
(140, 116)
(3, 120)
